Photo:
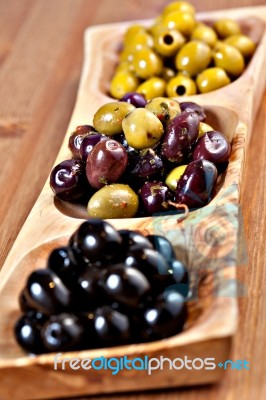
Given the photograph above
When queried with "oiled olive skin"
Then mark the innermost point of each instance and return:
(180, 134)
(243, 43)
(230, 59)
(142, 128)
(153, 87)
(190, 106)
(184, 22)
(68, 180)
(122, 83)
(212, 79)
(113, 201)
(183, 6)
(106, 163)
(46, 292)
(108, 118)
(137, 99)
(226, 27)
(181, 85)
(154, 197)
(214, 147)
(205, 34)
(153, 63)
(165, 109)
(174, 176)
(193, 58)
(203, 128)
(76, 138)
(195, 186)
(168, 41)
(169, 307)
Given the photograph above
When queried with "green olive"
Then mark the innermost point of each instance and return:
(153, 87)
(226, 27)
(243, 43)
(168, 41)
(203, 128)
(131, 32)
(205, 34)
(230, 59)
(164, 108)
(108, 119)
(212, 79)
(140, 39)
(174, 176)
(193, 57)
(126, 54)
(156, 27)
(168, 73)
(147, 63)
(181, 85)
(122, 83)
(184, 22)
(142, 128)
(113, 201)
(183, 6)
(124, 66)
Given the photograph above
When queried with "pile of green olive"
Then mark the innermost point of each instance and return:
(178, 56)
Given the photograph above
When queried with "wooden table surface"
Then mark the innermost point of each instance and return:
(41, 44)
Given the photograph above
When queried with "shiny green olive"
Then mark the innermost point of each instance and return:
(124, 66)
(212, 79)
(113, 201)
(153, 87)
(168, 41)
(203, 128)
(193, 57)
(226, 27)
(140, 39)
(127, 53)
(156, 27)
(174, 176)
(168, 73)
(183, 6)
(181, 85)
(205, 34)
(131, 32)
(230, 59)
(147, 63)
(108, 119)
(243, 43)
(122, 83)
(164, 108)
(142, 128)
(219, 45)
(184, 22)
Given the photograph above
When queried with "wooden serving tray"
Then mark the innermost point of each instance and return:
(207, 241)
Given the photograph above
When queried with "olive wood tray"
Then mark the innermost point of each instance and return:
(206, 241)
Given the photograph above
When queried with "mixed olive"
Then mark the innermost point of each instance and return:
(179, 56)
(105, 288)
(141, 158)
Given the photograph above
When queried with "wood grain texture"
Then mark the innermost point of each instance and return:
(38, 83)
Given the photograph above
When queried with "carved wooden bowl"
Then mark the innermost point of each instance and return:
(206, 241)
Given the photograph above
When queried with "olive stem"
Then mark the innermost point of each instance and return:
(178, 206)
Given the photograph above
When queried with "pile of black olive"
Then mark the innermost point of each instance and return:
(107, 287)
